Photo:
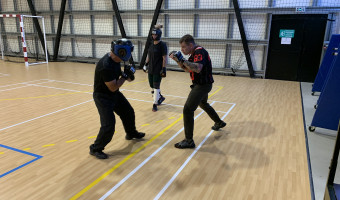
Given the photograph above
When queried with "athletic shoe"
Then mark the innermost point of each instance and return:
(136, 135)
(184, 144)
(218, 125)
(99, 154)
(160, 100)
(154, 108)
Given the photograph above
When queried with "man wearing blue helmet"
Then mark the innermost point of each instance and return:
(108, 78)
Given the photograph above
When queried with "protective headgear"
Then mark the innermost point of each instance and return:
(122, 48)
(157, 32)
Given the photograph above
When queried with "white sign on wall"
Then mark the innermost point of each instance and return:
(286, 40)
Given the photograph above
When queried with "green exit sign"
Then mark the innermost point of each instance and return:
(285, 33)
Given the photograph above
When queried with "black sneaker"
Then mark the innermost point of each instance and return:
(99, 154)
(137, 135)
(160, 100)
(218, 125)
(184, 144)
(154, 108)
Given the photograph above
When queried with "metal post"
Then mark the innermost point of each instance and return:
(93, 41)
(230, 35)
(1, 46)
(60, 26)
(266, 48)
(73, 40)
(120, 23)
(196, 19)
(36, 24)
(244, 38)
(44, 32)
(148, 40)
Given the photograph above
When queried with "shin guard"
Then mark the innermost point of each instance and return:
(156, 96)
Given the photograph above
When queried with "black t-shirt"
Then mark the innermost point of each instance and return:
(156, 53)
(205, 76)
(106, 71)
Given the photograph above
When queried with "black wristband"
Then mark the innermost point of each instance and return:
(146, 64)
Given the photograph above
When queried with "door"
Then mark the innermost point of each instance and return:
(295, 47)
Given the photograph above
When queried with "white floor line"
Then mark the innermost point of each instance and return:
(71, 82)
(14, 88)
(3, 75)
(150, 93)
(44, 115)
(28, 84)
(169, 95)
(144, 162)
(188, 159)
(127, 98)
(175, 105)
(49, 80)
(122, 89)
(59, 88)
(22, 83)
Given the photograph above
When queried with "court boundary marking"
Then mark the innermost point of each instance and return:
(135, 152)
(122, 181)
(189, 158)
(4, 75)
(37, 157)
(1, 129)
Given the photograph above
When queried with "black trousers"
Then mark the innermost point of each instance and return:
(198, 96)
(107, 105)
(155, 80)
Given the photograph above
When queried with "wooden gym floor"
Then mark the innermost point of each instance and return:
(48, 120)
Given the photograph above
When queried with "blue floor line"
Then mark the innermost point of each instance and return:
(37, 157)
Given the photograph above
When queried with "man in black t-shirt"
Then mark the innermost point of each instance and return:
(156, 65)
(199, 66)
(108, 79)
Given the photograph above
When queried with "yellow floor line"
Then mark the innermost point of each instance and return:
(129, 156)
(71, 141)
(48, 145)
(123, 161)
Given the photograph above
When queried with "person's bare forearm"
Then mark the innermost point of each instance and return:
(115, 84)
(120, 82)
(195, 67)
(164, 61)
(183, 67)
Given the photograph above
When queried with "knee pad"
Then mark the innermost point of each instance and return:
(156, 85)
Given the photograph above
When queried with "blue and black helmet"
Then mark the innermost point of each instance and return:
(122, 48)
(157, 32)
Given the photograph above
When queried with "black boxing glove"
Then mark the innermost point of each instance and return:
(125, 76)
(129, 72)
(163, 72)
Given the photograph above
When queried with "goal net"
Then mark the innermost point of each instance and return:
(20, 41)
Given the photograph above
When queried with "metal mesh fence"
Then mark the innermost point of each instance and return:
(89, 26)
